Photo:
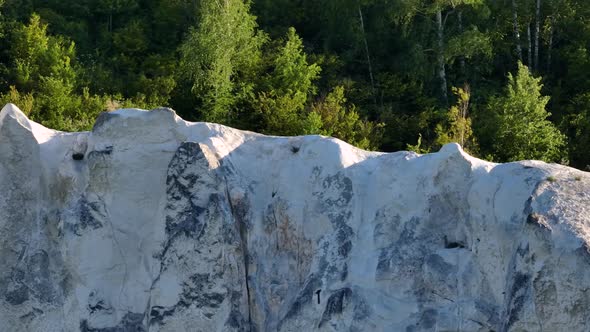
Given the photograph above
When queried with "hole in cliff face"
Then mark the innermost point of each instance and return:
(294, 149)
(454, 245)
(533, 218)
(78, 156)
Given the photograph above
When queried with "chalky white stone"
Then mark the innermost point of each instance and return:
(152, 223)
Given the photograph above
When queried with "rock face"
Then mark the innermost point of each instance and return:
(151, 223)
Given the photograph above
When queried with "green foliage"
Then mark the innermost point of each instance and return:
(25, 101)
(577, 125)
(418, 146)
(38, 57)
(281, 114)
(287, 89)
(406, 111)
(522, 130)
(45, 80)
(339, 119)
(219, 54)
(131, 39)
(239, 62)
(469, 44)
(57, 108)
(292, 74)
(456, 125)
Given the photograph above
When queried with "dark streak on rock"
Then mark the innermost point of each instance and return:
(183, 214)
(305, 296)
(99, 306)
(236, 319)
(195, 291)
(131, 322)
(454, 245)
(33, 281)
(517, 296)
(106, 152)
(89, 216)
(428, 318)
(336, 303)
(158, 313)
(31, 315)
(523, 250)
(103, 118)
(18, 295)
(533, 218)
(341, 183)
(489, 311)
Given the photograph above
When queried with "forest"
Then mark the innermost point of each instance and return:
(507, 79)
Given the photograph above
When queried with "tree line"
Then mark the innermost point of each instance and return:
(507, 79)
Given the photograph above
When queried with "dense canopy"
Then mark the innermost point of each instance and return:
(508, 79)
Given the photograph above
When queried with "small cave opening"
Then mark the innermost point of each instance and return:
(295, 149)
(78, 156)
(453, 244)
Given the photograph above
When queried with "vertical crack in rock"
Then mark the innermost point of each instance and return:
(242, 231)
(123, 258)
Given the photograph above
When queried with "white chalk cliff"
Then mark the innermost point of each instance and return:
(152, 223)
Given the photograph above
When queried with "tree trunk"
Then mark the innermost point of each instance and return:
(550, 46)
(442, 75)
(530, 48)
(537, 32)
(368, 54)
(464, 107)
(516, 30)
(461, 58)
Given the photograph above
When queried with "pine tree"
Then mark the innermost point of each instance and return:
(290, 85)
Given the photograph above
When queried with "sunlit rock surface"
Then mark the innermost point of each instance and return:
(151, 223)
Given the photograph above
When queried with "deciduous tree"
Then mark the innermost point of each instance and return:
(522, 130)
(219, 54)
